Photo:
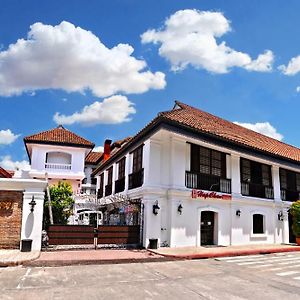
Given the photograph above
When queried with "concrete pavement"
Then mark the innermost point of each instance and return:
(185, 279)
(16, 257)
(217, 251)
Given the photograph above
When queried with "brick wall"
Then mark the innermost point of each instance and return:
(10, 219)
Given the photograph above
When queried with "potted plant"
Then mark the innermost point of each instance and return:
(295, 212)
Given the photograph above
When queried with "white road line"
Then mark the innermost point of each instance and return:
(259, 266)
(285, 267)
(297, 278)
(279, 261)
(20, 285)
(238, 257)
(288, 273)
(268, 258)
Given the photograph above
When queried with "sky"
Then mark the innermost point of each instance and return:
(104, 69)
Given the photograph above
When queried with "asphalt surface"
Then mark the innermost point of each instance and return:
(275, 276)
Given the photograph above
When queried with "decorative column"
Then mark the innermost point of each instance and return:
(276, 183)
(235, 175)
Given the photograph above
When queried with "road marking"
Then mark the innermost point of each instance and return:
(297, 278)
(238, 257)
(263, 259)
(287, 273)
(278, 260)
(20, 285)
(287, 267)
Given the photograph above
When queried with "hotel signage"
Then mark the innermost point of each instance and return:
(209, 195)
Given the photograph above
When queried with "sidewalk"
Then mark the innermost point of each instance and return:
(16, 257)
(215, 251)
(87, 257)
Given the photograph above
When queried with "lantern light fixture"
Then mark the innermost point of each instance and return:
(32, 204)
(238, 213)
(155, 208)
(179, 208)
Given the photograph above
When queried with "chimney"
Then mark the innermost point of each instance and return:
(107, 149)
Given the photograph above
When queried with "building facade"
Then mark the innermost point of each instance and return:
(205, 181)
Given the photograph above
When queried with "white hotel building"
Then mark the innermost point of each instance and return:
(203, 180)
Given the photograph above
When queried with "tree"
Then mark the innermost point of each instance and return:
(295, 212)
(61, 201)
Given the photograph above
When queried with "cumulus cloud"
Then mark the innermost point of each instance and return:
(113, 110)
(98, 149)
(264, 128)
(7, 137)
(298, 89)
(7, 163)
(189, 37)
(72, 59)
(292, 68)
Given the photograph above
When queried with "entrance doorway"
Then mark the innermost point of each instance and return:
(207, 228)
(292, 238)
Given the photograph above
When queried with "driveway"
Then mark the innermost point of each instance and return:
(275, 276)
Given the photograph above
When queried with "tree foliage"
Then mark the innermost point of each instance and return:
(295, 212)
(61, 201)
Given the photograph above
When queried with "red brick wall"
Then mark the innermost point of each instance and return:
(10, 219)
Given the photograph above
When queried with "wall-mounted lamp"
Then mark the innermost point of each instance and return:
(280, 216)
(238, 213)
(155, 208)
(32, 204)
(179, 209)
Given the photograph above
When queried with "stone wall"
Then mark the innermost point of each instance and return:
(10, 219)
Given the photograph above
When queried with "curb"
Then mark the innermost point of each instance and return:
(227, 253)
(15, 263)
(76, 262)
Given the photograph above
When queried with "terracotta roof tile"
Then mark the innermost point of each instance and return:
(59, 136)
(4, 173)
(207, 123)
(93, 158)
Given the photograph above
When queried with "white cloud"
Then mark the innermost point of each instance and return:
(298, 89)
(7, 137)
(189, 37)
(264, 128)
(72, 59)
(98, 149)
(113, 110)
(7, 163)
(292, 68)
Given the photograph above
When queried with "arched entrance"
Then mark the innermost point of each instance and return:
(208, 228)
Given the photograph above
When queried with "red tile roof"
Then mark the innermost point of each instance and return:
(204, 122)
(188, 117)
(4, 173)
(93, 158)
(59, 136)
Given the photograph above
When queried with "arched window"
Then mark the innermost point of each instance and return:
(258, 224)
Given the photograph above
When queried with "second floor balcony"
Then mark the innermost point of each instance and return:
(136, 179)
(288, 195)
(257, 190)
(207, 182)
(56, 167)
(120, 185)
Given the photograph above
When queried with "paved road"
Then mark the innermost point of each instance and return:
(253, 277)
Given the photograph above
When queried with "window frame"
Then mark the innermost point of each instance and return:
(137, 159)
(260, 228)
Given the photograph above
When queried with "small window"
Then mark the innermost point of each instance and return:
(137, 159)
(109, 175)
(121, 168)
(258, 224)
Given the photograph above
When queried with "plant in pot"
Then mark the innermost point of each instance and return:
(295, 212)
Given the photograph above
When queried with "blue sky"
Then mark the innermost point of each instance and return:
(54, 72)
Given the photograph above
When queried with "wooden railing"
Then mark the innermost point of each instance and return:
(136, 179)
(207, 182)
(108, 189)
(58, 167)
(257, 190)
(120, 185)
(287, 195)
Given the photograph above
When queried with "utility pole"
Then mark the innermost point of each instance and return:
(49, 200)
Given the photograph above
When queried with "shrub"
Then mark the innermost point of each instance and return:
(295, 212)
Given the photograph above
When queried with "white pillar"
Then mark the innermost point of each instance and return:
(127, 170)
(32, 221)
(235, 175)
(276, 183)
(114, 177)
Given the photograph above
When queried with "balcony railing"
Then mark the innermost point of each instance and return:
(287, 195)
(207, 182)
(136, 179)
(120, 185)
(257, 190)
(108, 189)
(58, 167)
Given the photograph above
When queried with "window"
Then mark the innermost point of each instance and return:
(254, 172)
(137, 159)
(207, 161)
(289, 180)
(258, 224)
(101, 186)
(121, 168)
(109, 175)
